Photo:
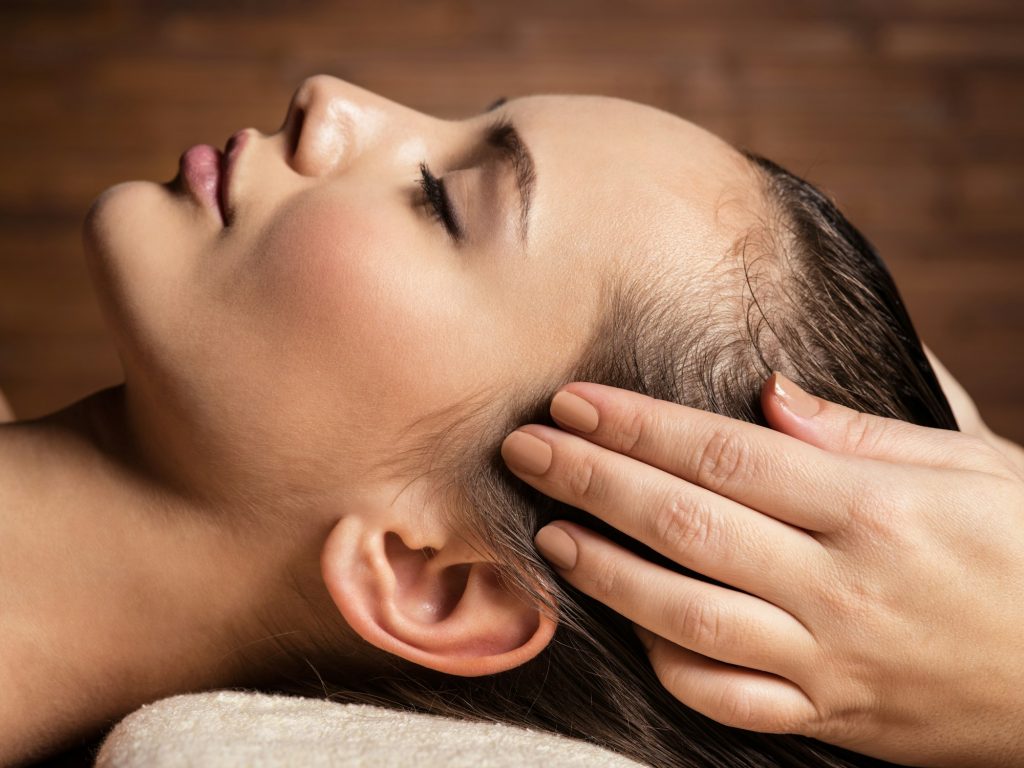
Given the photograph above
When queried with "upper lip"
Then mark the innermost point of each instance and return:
(228, 163)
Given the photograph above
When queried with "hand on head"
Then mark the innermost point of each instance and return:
(870, 573)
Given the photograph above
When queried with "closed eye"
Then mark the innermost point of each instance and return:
(435, 197)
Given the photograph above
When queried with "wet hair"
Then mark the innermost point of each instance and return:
(812, 300)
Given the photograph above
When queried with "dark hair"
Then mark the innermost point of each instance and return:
(814, 301)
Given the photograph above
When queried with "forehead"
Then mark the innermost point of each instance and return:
(631, 181)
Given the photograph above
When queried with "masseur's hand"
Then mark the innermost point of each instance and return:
(877, 568)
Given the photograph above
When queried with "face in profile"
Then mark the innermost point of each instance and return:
(291, 311)
(296, 313)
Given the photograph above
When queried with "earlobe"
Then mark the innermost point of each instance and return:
(438, 604)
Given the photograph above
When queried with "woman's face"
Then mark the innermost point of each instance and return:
(335, 310)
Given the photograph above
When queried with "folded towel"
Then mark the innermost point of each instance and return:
(258, 730)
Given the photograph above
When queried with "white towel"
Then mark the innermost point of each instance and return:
(258, 730)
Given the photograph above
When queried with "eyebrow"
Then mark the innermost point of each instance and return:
(503, 136)
(495, 104)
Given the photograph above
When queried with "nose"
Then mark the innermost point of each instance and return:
(330, 123)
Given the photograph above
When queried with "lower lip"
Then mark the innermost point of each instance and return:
(200, 168)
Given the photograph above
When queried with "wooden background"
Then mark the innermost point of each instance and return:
(910, 112)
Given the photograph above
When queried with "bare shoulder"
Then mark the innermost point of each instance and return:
(6, 414)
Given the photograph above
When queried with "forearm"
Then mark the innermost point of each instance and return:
(1008, 448)
(967, 416)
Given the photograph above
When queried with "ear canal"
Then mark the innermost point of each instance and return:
(445, 608)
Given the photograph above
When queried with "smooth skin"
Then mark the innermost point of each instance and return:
(6, 413)
(256, 482)
(877, 567)
(253, 500)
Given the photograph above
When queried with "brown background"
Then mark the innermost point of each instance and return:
(910, 113)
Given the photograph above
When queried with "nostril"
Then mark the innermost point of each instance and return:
(323, 126)
(298, 118)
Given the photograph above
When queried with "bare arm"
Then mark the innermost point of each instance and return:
(967, 415)
(6, 414)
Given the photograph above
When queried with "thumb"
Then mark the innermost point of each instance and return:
(839, 429)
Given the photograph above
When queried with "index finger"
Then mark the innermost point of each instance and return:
(767, 470)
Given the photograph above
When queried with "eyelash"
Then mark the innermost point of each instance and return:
(435, 197)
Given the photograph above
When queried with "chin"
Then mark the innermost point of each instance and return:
(123, 218)
(136, 238)
(139, 233)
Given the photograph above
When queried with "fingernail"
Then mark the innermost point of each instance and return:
(557, 547)
(794, 399)
(573, 411)
(646, 638)
(526, 453)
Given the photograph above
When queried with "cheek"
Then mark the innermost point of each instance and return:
(370, 311)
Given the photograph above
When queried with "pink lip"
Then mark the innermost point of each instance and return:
(208, 172)
(200, 168)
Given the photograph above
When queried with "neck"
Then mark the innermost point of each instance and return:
(116, 590)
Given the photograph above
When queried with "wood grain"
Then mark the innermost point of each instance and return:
(910, 113)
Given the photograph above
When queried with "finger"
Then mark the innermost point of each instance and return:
(734, 696)
(753, 465)
(721, 623)
(690, 525)
(833, 427)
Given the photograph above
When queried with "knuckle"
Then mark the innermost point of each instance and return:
(836, 603)
(724, 461)
(636, 425)
(700, 624)
(858, 599)
(741, 706)
(851, 712)
(734, 706)
(882, 511)
(846, 598)
(604, 578)
(683, 525)
(861, 434)
(818, 725)
(583, 477)
(865, 504)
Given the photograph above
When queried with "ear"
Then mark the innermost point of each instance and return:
(438, 603)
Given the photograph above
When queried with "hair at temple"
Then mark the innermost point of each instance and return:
(816, 303)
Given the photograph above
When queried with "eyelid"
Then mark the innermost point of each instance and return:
(436, 196)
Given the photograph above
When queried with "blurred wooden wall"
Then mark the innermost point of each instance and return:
(910, 112)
